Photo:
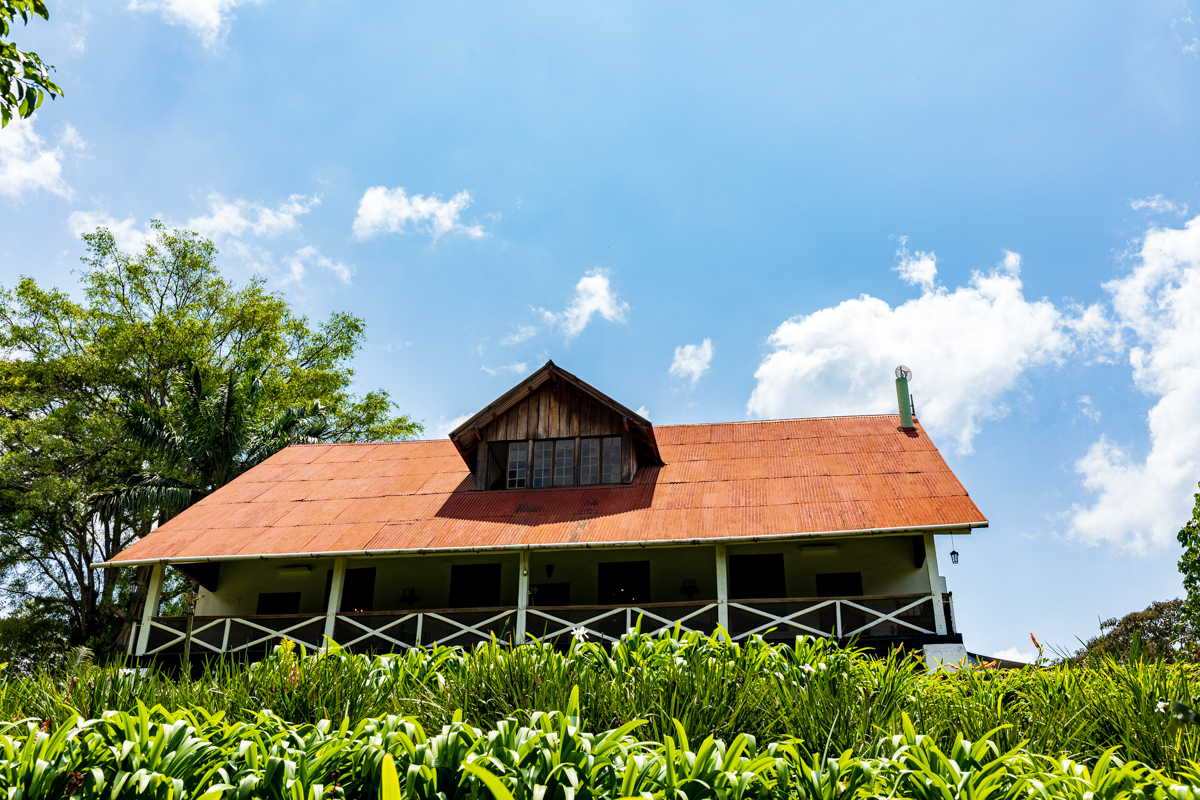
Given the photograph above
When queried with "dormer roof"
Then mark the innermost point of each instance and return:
(467, 436)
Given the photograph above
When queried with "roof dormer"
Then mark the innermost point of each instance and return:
(554, 430)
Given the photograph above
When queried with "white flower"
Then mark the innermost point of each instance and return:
(808, 668)
(1162, 706)
(580, 633)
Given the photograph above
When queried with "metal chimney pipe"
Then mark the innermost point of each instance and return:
(903, 373)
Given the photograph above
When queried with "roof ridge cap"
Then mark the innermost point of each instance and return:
(782, 419)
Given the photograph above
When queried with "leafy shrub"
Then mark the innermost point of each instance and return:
(811, 693)
(1161, 631)
(190, 753)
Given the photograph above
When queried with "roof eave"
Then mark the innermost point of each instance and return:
(947, 528)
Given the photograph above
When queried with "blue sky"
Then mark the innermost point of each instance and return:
(710, 211)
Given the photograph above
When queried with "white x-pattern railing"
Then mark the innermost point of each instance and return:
(459, 627)
(598, 625)
(365, 632)
(178, 636)
(792, 618)
(630, 614)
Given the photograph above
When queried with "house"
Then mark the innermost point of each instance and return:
(557, 510)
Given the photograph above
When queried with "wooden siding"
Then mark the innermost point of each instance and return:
(554, 410)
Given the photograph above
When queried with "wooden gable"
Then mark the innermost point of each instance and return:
(553, 404)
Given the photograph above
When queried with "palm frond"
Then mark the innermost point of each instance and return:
(145, 492)
(148, 429)
(296, 425)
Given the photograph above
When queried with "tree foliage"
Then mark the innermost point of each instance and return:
(24, 77)
(1189, 565)
(74, 373)
(1160, 631)
(216, 437)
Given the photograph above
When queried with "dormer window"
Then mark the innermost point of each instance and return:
(564, 462)
(589, 462)
(600, 461)
(553, 430)
(554, 463)
(543, 464)
(517, 452)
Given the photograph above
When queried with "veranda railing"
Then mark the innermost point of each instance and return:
(876, 616)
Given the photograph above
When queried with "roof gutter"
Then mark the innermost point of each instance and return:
(424, 551)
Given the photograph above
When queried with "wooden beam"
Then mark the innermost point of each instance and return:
(935, 585)
(522, 596)
(722, 589)
(335, 596)
(150, 609)
(481, 465)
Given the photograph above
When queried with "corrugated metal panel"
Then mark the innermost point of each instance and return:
(736, 479)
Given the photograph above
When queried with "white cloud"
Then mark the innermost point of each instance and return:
(1142, 503)
(515, 368)
(226, 220)
(521, 334)
(1088, 409)
(917, 269)
(692, 360)
(27, 164)
(77, 31)
(1013, 654)
(1158, 205)
(444, 426)
(593, 295)
(967, 348)
(643, 412)
(238, 217)
(208, 19)
(383, 210)
(125, 231)
(297, 266)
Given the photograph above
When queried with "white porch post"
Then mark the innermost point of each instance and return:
(150, 610)
(722, 590)
(335, 596)
(935, 585)
(522, 596)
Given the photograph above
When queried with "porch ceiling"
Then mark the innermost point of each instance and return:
(721, 481)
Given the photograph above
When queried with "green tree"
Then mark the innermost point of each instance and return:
(24, 78)
(34, 637)
(216, 436)
(1160, 631)
(72, 370)
(1189, 565)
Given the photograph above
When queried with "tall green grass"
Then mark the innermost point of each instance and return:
(190, 754)
(824, 698)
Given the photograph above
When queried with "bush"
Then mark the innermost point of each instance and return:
(1161, 631)
(191, 753)
(812, 693)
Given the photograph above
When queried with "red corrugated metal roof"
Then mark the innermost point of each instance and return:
(720, 481)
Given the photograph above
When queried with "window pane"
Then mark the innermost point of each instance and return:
(589, 462)
(516, 464)
(612, 459)
(564, 462)
(543, 457)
